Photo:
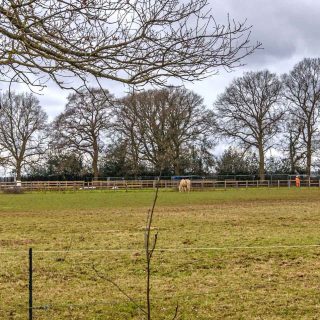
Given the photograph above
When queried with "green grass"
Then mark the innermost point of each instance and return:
(231, 283)
(83, 200)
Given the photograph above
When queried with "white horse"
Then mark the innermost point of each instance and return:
(185, 185)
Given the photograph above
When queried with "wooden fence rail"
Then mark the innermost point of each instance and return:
(151, 184)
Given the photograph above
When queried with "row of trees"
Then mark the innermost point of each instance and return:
(261, 111)
(157, 130)
(168, 130)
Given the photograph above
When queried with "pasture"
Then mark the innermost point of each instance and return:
(220, 254)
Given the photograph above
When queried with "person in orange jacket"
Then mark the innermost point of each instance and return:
(297, 182)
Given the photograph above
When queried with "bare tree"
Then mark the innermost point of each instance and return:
(302, 86)
(163, 123)
(249, 112)
(292, 145)
(133, 42)
(22, 130)
(83, 124)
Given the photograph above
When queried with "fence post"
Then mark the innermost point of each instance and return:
(225, 185)
(30, 284)
(309, 182)
(278, 184)
(246, 184)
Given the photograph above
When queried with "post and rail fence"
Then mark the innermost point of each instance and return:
(151, 184)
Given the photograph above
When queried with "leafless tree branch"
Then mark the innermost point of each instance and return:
(130, 41)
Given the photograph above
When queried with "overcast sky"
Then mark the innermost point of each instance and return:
(288, 29)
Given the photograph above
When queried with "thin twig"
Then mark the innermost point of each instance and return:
(119, 288)
(176, 312)
(150, 248)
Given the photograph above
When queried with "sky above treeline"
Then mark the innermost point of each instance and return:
(289, 30)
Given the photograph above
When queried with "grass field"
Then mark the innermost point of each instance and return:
(224, 279)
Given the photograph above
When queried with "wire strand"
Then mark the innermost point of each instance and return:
(296, 246)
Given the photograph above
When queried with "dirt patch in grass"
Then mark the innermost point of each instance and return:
(15, 242)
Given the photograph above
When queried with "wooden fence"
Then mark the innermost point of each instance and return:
(151, 184)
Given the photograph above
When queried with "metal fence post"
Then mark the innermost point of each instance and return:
(30, 284)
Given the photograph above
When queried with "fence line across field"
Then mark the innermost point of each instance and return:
(152, 184)
(47, 306)
(226, 248)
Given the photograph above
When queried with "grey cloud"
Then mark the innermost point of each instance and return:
(286, 28)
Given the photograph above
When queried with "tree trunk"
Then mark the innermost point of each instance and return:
(95, 167)
(95, 158)
(177, 167)
(291, 155)
(18, 171)
(261, 163)
(309, 154)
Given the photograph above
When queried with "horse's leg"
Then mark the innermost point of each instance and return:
(181, 186)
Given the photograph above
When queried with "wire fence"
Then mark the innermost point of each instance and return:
(225, 248)
(32, 307)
